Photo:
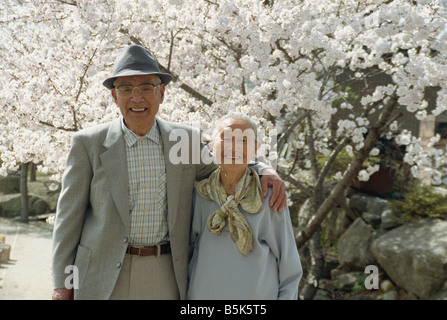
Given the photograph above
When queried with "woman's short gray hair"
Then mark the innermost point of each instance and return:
(239, 116)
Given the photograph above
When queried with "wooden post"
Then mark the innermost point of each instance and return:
(5, 252)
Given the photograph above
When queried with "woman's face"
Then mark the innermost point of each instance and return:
(234, 144)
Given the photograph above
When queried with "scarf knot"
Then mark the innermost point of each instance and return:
(230, 204)
(248, 195)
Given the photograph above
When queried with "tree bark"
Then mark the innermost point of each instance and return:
(32, 171)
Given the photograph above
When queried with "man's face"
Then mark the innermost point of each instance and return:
(140, 108)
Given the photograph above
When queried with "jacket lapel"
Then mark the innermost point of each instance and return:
(173, 173)
(114, 162)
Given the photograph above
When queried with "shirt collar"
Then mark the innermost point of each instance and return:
(131, 138)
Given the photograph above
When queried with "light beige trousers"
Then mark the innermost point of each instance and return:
(146, 278)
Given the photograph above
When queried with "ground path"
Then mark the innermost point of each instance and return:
(27, 276)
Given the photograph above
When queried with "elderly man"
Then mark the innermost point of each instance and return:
(123, 217)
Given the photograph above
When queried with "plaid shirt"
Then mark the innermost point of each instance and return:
(147, 187)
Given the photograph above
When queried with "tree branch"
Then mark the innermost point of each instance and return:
(312, 151)
(73, 3)
(295, 182)
(194, 93)
(286, 133)
(59, 128)
(355, 166)
(329, 162)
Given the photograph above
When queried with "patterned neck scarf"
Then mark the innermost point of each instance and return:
(248, 195)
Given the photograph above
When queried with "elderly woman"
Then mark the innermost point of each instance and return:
(242, 249)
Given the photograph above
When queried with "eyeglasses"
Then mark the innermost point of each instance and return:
(145, 89)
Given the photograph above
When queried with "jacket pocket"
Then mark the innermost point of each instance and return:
(82, 262)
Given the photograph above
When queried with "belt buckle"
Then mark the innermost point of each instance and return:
(158, 250)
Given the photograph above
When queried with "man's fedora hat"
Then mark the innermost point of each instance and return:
(135, 60)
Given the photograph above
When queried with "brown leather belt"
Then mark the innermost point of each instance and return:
(149, 251)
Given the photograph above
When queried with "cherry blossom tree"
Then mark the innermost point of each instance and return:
(288, 64)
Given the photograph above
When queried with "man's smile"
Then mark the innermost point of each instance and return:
(138, 109)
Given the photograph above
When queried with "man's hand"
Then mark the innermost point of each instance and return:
(62, 294)
(270, 178)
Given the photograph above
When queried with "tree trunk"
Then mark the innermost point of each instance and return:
(316, 252)
(24, 192)
(32, 171)
(316, 266)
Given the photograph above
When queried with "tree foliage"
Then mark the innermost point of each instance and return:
(289, 64)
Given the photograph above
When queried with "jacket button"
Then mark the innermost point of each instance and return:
(118, 265)
(126, 239)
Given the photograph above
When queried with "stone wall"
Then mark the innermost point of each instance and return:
(411, 258)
